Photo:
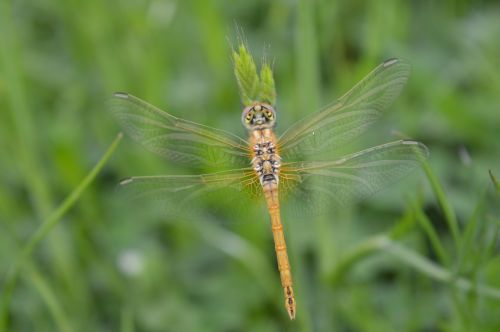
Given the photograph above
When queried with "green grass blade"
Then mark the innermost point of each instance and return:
(48, 296)
(439, 273)
(448, 211)
(409, 257)
(431, 232)
(360, 251)
(468, 249)
(496, 184)
(46, 226)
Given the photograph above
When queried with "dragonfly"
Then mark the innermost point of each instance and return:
(277, 166)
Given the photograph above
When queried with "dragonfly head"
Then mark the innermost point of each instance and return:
(258, 116)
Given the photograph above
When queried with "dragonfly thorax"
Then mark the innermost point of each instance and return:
(266, 162)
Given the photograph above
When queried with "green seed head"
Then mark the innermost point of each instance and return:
(253, 89)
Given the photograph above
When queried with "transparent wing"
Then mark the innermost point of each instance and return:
(326, 183)
(179, 193)
(349, 116)
(177, 139)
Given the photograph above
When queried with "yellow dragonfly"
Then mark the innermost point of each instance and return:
(273, 164)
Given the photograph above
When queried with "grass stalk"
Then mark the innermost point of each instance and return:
(438, 272)
(47, 225)
(448, 211)
(54, 306)
(429, 229)
(409, 257)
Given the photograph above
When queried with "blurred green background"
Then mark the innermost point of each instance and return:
(391, 263)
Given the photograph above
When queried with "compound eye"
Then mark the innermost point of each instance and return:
(249, 117)
(268, 114)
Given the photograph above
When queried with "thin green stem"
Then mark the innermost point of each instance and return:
(449, 213)
(50, 299)
(411, 258)
(495, 182)
(363, 249)
(46, 226)
(439, 273)
(432, 234)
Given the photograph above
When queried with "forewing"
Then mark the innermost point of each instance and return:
(349, 116)
(177, 139)
(320, 184)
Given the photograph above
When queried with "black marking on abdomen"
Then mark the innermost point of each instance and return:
(267, 177)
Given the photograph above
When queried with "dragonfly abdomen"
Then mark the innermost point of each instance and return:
(271, 195)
